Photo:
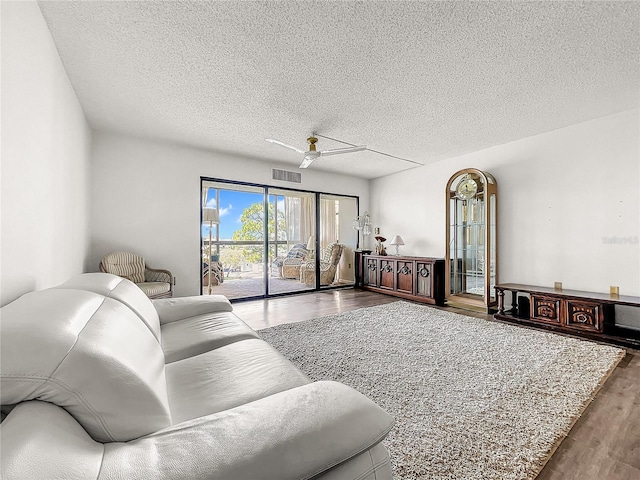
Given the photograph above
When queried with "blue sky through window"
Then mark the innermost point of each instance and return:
(232, 204)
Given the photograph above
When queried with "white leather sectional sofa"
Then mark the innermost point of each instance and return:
(99, 382)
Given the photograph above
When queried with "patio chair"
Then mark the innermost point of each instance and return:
(288, 266)
(328, 266)
(153, 282)
(217, 273)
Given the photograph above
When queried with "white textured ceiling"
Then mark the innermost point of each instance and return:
(421, 80)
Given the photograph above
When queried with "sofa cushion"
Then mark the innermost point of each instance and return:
(291, 435)
(88, 354)
(202, 333)
(172, 309)
(229, 376)
(119, 289)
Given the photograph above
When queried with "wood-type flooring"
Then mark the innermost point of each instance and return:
(604, 444)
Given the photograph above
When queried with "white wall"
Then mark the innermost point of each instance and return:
(146, 198)
(45, 160)
(569, 205)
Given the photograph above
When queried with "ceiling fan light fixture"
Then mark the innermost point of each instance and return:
(312, 143)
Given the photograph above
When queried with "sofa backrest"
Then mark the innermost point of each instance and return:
(89, 354)
(119, 289)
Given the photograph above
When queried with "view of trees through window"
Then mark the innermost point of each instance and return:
(235, 253)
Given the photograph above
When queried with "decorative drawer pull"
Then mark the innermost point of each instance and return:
(581, 318)
(371, 266)
(405, 270)
(546, 311)
(424, 272)
(387, 268)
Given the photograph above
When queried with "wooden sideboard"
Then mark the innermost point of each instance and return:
(415, 278)
(587, 314)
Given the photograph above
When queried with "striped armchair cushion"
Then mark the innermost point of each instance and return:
(125, 264)
(326, 252)
(153, 289)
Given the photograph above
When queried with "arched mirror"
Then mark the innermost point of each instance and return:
(471, 252)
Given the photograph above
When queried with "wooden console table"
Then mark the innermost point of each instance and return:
(415, 278)
(588, 314)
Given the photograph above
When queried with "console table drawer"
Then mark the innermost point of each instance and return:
(584, 315)
(546, 309)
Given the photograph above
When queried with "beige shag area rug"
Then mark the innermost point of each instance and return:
(472, 399)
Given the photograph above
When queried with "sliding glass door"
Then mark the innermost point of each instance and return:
(292, 225)
(259, 240)
(337, 240)
(233, 240)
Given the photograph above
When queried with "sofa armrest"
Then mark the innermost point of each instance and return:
(41, 440)
(175, 309)
(295, 434)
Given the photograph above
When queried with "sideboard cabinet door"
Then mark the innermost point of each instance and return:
(405, 271)
(424, 277)
(387, 272)
(370, 272)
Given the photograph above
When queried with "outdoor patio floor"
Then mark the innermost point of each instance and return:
(252, 287)
(234, 288)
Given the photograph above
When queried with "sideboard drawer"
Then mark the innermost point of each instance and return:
(545, 309)
(584, 315)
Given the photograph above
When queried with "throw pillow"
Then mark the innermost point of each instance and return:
(299, 250)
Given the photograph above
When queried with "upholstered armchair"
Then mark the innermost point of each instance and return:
(328, 266)
(153, 282)
(288, 266)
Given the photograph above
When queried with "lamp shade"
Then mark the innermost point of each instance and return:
(210, 215)
(311, 244)
(397, 240)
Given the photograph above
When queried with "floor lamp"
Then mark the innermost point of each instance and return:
(210, 215)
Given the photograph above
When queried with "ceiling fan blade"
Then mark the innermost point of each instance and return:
(338, 151)
(271, 140)
(306, 162)
(309, 158)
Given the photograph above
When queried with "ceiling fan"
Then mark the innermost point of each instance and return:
(312, 153)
